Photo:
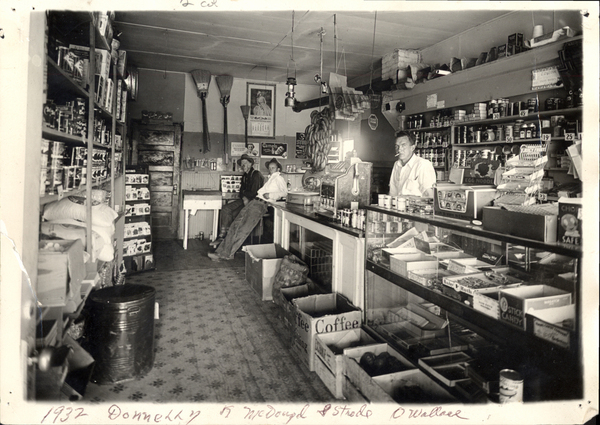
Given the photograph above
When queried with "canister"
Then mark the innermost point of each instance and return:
(120, 332)
(511, 386)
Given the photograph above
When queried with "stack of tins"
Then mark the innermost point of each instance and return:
(120, 332)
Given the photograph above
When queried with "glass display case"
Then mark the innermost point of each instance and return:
(316, 251)
(481, 301)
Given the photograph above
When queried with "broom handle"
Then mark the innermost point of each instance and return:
(225, 136)
(206, 137)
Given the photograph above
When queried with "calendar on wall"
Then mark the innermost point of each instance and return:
(261, 120)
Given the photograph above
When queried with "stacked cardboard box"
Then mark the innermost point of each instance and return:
(397, 60)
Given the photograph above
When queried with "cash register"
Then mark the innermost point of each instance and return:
(346, 184)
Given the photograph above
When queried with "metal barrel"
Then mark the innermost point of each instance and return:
(120, 332)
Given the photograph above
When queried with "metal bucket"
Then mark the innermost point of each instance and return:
(120, 332)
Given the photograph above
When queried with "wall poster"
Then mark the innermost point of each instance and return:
(274, 150)
(261, 120)
(301, 146)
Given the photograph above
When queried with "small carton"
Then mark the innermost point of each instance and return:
(516, 223)
(402, 263)
(569, 221)
(320, 314)
(329, 362)
(365, 383)
(487, 303)
(60, 271)
(553, 324)
(515, 303)
(262, 265)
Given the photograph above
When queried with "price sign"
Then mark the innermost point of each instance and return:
(523, 113)
(570, 137)
(509, 139)
(496, 115)
(546, 137)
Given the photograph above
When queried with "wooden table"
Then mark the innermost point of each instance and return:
(201, 200)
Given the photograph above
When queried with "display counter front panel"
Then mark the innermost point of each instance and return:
(435, 289)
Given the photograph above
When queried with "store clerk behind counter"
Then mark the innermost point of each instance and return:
(411, 175)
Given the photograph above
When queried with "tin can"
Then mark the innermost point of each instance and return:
(201, 236)
(511, 386)
(387, 201)
(401, 203)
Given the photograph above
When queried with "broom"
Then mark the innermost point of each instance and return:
(224, 82)
(202, 80)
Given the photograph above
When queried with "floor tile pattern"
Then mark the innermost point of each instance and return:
(215, 341)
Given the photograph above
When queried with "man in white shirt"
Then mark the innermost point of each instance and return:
(411, 175)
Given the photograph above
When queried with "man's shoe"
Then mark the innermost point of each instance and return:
(216, 242)
(214, 257)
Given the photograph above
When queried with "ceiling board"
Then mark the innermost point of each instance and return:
(251, 43)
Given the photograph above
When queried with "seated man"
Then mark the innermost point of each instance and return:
(274, 189)
(252, 180)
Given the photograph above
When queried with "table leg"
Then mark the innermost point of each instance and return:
(186, 223)
(215, 228)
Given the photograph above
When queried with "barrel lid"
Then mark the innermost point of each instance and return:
(122, 293)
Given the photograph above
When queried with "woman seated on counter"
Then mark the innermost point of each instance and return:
(273, 190)
(411, 175)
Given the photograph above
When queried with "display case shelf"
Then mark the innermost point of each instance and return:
(467, 227)
(486, 326)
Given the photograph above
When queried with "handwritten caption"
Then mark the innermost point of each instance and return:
(237, 413)
(203, 3)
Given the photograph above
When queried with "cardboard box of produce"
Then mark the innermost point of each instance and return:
(60, 271)
(402, 263)
(515, 303)
(351, 393)
(262, 265)
(320, 314)
(377, 365)
(529, 226)
(329, 350)
(553, 324)
(283, 298)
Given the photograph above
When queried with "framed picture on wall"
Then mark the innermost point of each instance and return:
(261, 120)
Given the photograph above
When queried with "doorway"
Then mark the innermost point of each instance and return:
(158, 146)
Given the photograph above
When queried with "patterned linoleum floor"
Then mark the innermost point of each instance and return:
(215, 339)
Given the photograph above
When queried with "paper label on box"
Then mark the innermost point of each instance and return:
(551, 333)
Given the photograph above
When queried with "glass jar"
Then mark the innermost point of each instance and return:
(517, 129)
(508, 132)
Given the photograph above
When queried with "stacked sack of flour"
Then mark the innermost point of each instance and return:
(66, 219)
